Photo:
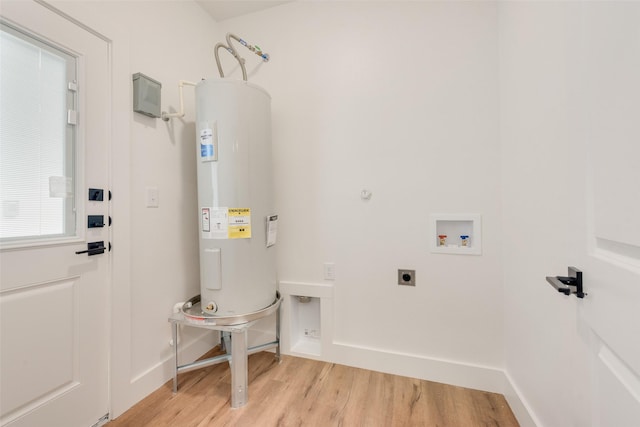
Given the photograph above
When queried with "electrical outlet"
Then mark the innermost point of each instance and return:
(407, 277)
(311, 333)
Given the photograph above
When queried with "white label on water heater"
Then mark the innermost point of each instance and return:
(208, 152)
(215, 223)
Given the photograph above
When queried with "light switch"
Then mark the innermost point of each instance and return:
(152, 197)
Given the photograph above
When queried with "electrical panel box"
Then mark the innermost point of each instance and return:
(146, 95)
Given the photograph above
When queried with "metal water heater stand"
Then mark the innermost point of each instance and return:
(233, 328)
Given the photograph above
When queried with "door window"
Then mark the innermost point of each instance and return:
(38, 98)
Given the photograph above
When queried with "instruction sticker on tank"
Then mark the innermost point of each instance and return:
(215, 223)
(239, 223)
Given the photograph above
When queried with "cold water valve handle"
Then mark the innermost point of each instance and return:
(564, 284)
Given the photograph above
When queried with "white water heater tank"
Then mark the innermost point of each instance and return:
(235, 197)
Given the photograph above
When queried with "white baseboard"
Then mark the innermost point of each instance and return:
(150, 380)
(421, 367)
(525, 416)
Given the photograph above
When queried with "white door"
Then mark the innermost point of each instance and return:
(53, 302)
(606, 183)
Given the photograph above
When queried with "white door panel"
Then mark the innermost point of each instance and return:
(606, 209)
(42, 364)
(53, 302)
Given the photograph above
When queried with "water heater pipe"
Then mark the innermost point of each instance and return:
(232, 50)
(166, 116)
(235, 55)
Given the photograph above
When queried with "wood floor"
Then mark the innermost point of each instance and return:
(303, 392)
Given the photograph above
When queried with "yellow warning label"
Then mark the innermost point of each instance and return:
(239, 223)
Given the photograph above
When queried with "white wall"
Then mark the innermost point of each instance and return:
(400, 98)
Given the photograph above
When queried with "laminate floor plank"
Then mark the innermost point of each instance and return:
(305, 392)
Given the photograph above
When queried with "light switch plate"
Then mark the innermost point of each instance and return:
(153, 197)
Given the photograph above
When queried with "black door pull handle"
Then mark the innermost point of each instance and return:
(93, 248)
